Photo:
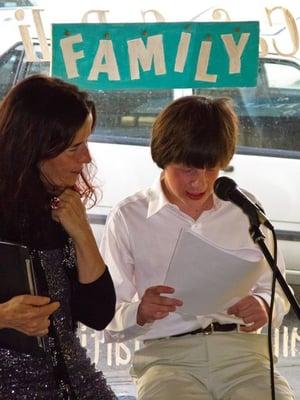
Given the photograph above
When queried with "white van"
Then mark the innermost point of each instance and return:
(267, 161)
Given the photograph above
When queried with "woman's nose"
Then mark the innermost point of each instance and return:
(85, 156)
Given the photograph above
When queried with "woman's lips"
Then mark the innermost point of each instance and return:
(195, 196)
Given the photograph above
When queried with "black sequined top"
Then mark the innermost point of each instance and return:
(33, 377)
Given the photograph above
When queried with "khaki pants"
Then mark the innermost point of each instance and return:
(221, 366)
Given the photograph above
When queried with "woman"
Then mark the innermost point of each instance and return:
(44, 187)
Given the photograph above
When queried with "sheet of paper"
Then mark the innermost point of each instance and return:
(207, 278)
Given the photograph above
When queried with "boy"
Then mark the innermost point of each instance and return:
(188, 357)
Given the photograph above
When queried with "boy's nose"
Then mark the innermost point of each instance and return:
(199, 178)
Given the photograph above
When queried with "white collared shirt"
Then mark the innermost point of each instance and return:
(139, 239)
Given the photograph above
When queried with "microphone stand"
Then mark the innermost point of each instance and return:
(258, 238)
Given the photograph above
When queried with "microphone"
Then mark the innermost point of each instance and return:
(226, 189)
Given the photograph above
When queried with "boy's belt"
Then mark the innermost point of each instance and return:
(213, 327)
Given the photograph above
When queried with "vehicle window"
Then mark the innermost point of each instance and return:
(123, 116)
(15, 3)
(37, 67)
(269, 114)
(9, 64)
(127, 116)
(283, 76)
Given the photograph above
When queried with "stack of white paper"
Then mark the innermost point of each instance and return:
(208, 278)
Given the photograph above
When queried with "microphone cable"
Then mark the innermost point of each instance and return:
(270, 316)
(271, 308)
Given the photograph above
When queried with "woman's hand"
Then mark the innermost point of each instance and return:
(27, 314)
(70, 212)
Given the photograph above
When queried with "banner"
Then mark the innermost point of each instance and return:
(156, 55)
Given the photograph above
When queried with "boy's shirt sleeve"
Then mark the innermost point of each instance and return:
(116, 250)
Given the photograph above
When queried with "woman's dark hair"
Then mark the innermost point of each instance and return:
(195, 131)
(39, 119)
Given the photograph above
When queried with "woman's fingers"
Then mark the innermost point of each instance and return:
(29, 314)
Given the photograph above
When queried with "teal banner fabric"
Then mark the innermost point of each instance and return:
(156, 55)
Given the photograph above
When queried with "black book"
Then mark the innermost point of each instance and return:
(16, 278)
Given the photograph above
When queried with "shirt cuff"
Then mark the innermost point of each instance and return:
(130, 319)
(279, 310)
(124, 326)
(264, 296)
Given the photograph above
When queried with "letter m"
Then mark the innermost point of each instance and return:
(139, 54)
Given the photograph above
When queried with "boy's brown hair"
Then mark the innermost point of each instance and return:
(195, 131)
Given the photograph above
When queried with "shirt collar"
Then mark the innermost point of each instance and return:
(158, 199)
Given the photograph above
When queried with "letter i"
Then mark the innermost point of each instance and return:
(182, 51)
(26, 39)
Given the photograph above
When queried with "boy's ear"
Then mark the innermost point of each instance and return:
(228, 168)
